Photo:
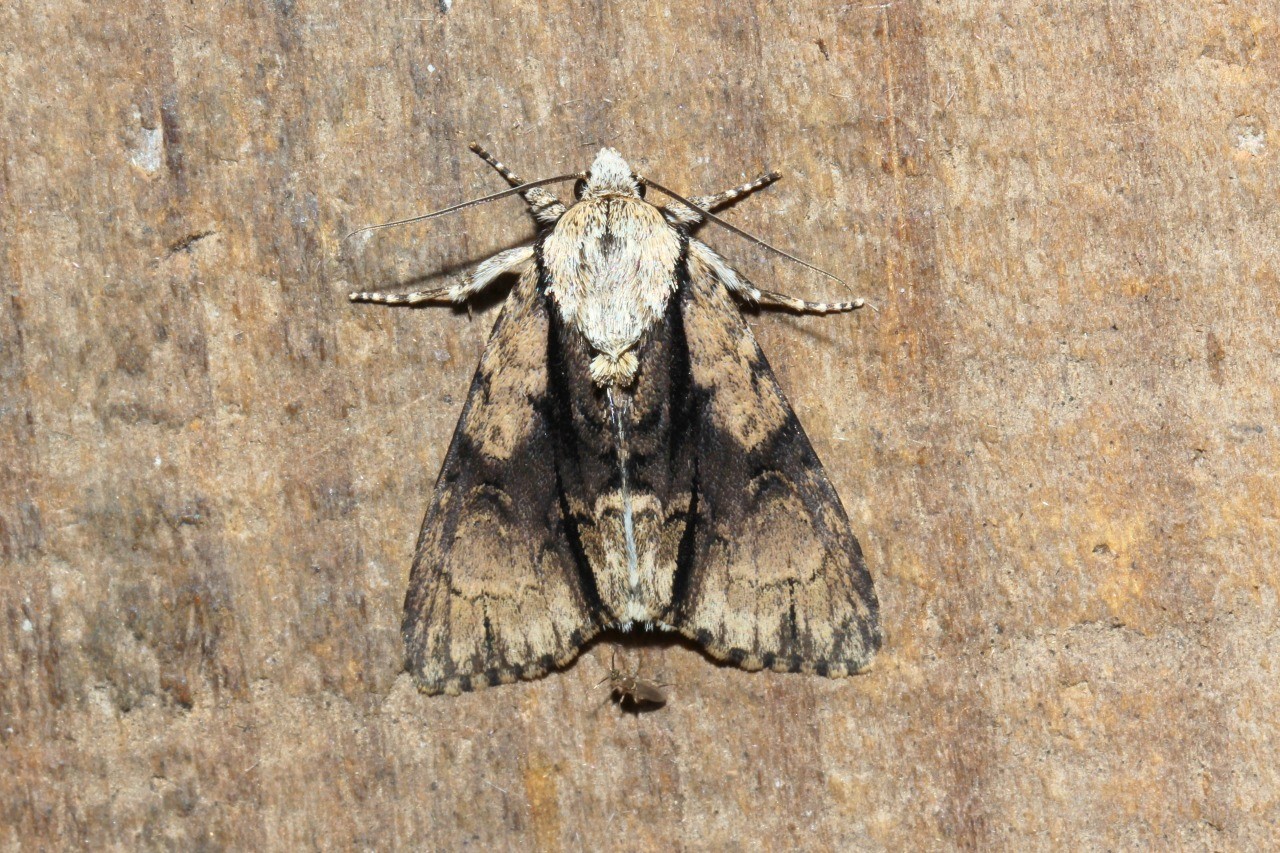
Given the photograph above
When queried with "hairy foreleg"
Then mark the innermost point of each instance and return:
(512, 260)
(680, 214)
(737, 283)
(544, 206)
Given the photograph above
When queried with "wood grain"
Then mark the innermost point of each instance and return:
(1055, 434)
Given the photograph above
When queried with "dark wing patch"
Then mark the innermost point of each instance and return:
(496, 592)
(770, 575)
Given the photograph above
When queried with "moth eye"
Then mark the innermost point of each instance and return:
(579, 188)
(641, 186)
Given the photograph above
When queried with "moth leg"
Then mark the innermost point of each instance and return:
(512, 260)
(544, 206)
(738, 284)
(679, 214)
(803, 306)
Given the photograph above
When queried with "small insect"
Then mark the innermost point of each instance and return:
(625, 459)
(632, 690)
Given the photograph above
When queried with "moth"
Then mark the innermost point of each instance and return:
(626, 460)
(633, 690)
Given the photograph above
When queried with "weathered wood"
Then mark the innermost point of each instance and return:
(1055, 434)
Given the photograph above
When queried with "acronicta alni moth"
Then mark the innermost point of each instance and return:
(625, 459)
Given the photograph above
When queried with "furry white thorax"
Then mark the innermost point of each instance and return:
(611, 262)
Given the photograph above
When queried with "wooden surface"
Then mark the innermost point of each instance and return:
(1056, 433)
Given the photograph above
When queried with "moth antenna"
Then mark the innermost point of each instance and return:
(613, 668)
(736, 230)
(465, 204)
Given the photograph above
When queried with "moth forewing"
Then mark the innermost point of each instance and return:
(626, 459)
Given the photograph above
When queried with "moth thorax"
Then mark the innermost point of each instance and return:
(609, 369)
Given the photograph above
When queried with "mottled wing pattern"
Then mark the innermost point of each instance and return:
(496, 593)
(774, 578)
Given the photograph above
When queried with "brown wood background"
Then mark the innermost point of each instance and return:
(1056, 435)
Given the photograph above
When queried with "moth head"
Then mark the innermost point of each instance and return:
(609, 176)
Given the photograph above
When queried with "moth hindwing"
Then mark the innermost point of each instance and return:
(625, 459)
